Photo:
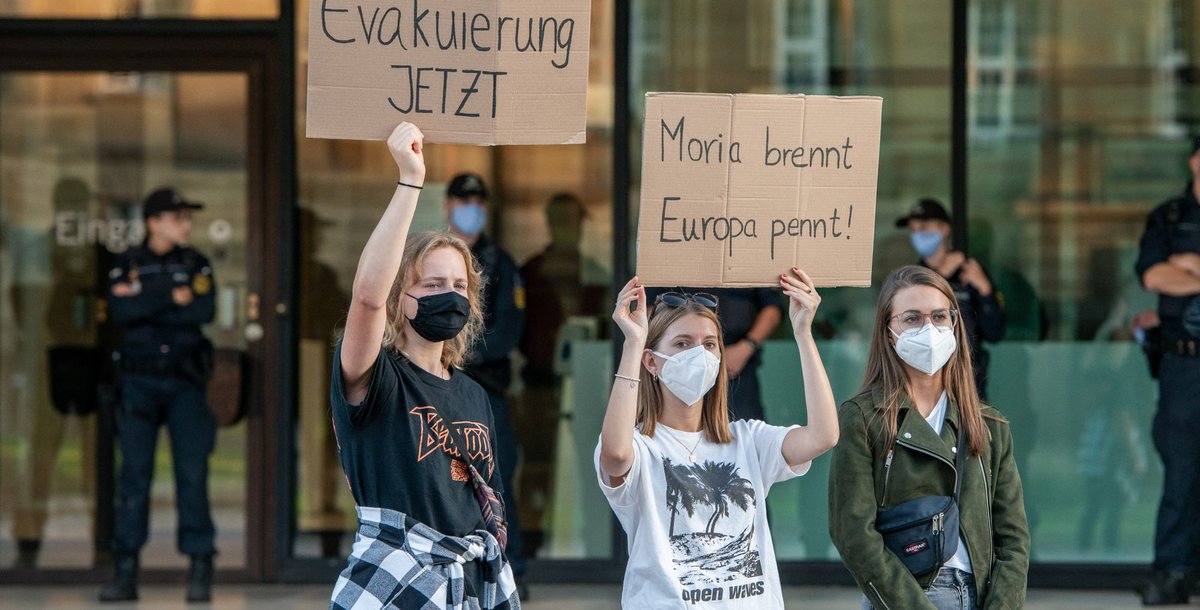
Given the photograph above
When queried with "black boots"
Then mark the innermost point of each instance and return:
(1166, 588)
(331, 544)
(124, 584)
(199, 582)
(27, 552)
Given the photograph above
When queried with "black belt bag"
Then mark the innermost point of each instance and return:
(923, 532)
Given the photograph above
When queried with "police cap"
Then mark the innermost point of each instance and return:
(166, 200)
(465, 186)
(925, 209)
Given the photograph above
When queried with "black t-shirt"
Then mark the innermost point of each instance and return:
(395, 446)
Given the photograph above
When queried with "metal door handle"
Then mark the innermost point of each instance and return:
(252, 303)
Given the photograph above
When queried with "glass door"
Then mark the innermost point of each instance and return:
(78, 153)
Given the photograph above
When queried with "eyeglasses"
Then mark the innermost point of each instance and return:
(677, 299)
(909, 320)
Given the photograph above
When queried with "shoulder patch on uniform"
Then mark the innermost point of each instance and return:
(201, 284)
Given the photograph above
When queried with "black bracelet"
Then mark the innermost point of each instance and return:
(411, 186)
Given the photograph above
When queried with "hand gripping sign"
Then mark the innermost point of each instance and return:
(738, 188)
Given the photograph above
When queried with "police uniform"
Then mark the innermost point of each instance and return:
(164, 361)
(1174, 228)
(503, 317)
(489, 364)
(983, 319)
(982, 316)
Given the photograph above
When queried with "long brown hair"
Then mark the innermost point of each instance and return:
(714, 419)
(886, 372)
(416, 248)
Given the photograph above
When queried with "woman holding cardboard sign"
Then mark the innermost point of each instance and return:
(688, 486)
(414, 433)
(925, 503)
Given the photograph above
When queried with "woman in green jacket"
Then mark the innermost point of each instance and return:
(899, 439)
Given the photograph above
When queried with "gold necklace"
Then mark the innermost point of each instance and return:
(440, 375)
(692, 451)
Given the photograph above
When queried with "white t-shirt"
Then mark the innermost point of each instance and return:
(698, 533)
(937, 417)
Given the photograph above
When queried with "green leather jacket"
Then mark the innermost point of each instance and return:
(991, 508)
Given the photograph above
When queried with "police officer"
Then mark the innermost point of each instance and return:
(504, 323)
(160, 293)
(980, 312)
(1169, 264)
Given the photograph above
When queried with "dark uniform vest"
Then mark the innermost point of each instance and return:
(1173, 228)
(160, 336)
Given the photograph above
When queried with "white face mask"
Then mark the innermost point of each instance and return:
(690, 374)
(926, 349)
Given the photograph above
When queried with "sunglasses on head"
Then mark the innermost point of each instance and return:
(677, 299)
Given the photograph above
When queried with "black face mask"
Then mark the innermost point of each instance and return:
(440, 317)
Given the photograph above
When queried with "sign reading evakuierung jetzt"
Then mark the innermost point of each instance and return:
(464, 71)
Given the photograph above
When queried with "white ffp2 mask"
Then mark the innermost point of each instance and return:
(690, 374)
(926, 349)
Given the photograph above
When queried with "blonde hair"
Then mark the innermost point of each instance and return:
(886, 372)
(416, 248)
(714, 419)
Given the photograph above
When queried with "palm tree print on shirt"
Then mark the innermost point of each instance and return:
(702, 552)
(682, 488)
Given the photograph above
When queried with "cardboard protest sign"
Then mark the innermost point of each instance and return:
(464, 71)
(736, 189)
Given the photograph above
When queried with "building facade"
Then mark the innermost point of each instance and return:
(1051, 129)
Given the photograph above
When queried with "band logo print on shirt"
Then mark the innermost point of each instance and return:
(435, 435)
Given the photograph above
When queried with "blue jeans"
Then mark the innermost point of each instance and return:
(951, 589)
(147, 402)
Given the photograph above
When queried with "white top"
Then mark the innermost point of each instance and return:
(937, 417)
(698, 533)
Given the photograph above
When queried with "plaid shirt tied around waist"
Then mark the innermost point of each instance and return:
(399, 562)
